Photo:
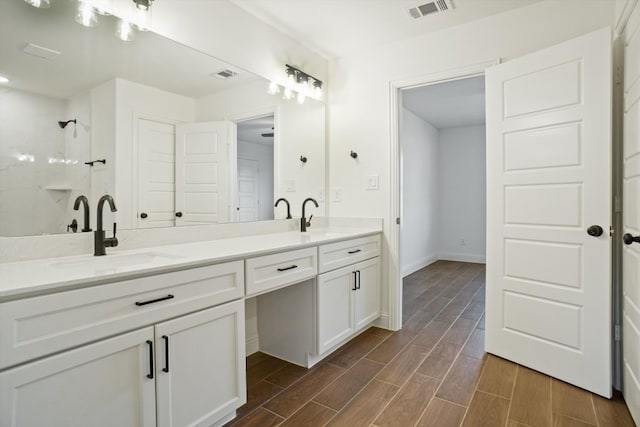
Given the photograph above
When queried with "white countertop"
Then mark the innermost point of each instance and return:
(29, 278)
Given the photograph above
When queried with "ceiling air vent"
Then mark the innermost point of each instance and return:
(224, 74)
(430, 8)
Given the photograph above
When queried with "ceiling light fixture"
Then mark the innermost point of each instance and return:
(41, 4)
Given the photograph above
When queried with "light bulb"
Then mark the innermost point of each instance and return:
(86, 14)
(125, 31)
(103, 7)
(3, 79)
(317, 93)
(273, 88)
(288, 93)
(43, 4)
(300, 98)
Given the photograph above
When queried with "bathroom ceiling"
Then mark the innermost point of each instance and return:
(334, 28)
(452, 104)
(90, 56)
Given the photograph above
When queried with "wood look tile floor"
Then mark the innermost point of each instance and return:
(433, 372)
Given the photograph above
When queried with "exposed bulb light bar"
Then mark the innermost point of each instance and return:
(3, 79)
(125, 31)
(299, 85)
(86, 14)
(273, 88)
(41, 4)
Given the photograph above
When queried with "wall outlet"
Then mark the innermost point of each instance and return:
(291, 185)
(336, 195)
(373, 182)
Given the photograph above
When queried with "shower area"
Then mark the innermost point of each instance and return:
(44, 142)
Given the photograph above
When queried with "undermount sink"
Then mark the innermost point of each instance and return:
(112, 261)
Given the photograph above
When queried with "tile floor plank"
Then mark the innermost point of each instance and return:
(258, 418)
(310, 415)
(257, 394)
(441, 413)
(475, 345)
(460, 382)
(399, 369)
(531, 400)
(572, 402)
(439, 360)
(390, 347)
(407, 406)
(562, 421)
(498, 377)
(366, 406)
(287, 375)
(612, 412)
(486, 410)
(355, 350)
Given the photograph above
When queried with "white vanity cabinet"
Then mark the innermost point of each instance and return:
(348, 298)
(183, 365)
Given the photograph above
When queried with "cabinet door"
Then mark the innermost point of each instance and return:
(201, 366)
(335, 307)
(367, 297)
(102, 384)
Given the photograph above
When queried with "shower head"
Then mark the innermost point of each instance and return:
(64, 124)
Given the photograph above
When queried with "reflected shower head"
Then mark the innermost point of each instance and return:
(64, 124)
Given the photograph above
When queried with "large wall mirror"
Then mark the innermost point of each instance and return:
(149, 121)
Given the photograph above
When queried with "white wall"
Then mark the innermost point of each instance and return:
(300, 130)
(462, 194)
(263, 154)
(359, 91)
(419, 224)
(28, 126)
(78, 147)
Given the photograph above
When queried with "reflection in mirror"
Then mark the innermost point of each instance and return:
(150, 122)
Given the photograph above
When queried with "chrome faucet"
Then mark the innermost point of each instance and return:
(303, 221)
(100, 242)
(282, 199)
(85, 205)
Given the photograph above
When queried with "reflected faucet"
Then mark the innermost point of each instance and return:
(85, 203)
(99, 241)
(303, 221)
(282, 199)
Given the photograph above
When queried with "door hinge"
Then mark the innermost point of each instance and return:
(398, 220)
(611, 231)
(616, 332)
(617, 206)
(618, 75)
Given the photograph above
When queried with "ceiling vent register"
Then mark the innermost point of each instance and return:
(430, 8)
(225, 74)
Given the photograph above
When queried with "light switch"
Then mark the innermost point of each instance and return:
(373, 182)
(336, 195)
(291, 185)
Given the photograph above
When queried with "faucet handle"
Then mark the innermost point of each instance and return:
(309, 221)
(114, 229)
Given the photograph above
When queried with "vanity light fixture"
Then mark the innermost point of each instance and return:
(125, 31)
(3, 79)
(288, 93)
(300, 98)
(273, 88)
(41, 4)
(298, 84)
(86, 14)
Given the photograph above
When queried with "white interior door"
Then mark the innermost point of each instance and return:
(548, 181)
(631, 217)
(247, 190)
(156, 174)
(202, 173)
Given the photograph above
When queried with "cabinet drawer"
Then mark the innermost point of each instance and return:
(270, 272)
(341, 254)
(34, 327)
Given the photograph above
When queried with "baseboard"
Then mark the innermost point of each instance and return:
(383, 321)
(462, 257)
(252, 345)
(412, 268)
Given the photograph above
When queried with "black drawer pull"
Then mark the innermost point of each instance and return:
(288, 268)
(355, 281)
(151, 301)
(358, 271)
(150, 374)
(166, 353)
(355, 251)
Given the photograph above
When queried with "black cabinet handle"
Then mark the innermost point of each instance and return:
(166, 353)
(150, 374)
(355, 281)
(358, 271)
(288, 268)
(355, 251)
(151, 301)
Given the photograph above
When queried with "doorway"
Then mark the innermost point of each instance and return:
(255, 171)
(443, 170)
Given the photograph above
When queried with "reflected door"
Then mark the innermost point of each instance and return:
(156, 174)
(247, 190)
(202, 173)
(548, 181)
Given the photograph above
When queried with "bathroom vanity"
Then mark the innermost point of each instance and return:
(156, 336)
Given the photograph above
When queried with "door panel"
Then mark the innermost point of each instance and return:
(631, 217)
(202, 173)
(203, 378)
(367, 297)
(548, 180)
(101, 384)
(335, 307)
(156, 174)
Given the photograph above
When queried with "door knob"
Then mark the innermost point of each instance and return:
(629, 239)
(595, 231)
(143, 215)
(179, 214)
